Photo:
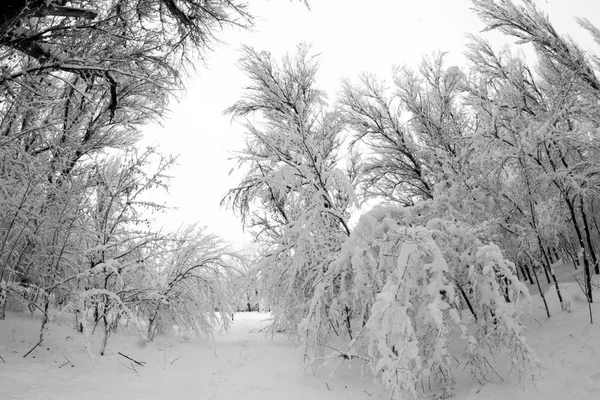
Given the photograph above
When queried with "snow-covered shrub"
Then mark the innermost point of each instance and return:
(169, 283)
(188, 285)
(407, 289)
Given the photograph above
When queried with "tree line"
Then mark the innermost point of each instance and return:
(486, 176)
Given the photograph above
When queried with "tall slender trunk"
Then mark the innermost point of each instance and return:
(588, 237)
(549, 281)
(555, 252)
(78, 323)
(568, 251)
(537, 281)
(549, 268)
(110, 326)
(526, 272)
(586, 263)
(152, 324)
(550, 256)
(45, 317)
(466, 298)
(3, 299)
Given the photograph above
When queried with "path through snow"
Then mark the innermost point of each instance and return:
(243, 364)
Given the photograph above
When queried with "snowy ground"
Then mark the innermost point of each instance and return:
(244, 364)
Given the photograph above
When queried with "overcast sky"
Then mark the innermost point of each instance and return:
(350, 36)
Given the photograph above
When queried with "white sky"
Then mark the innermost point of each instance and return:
(352, 36)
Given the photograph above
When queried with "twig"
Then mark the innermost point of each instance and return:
(345, 355)
(368, 394)
(25, 297)
(129, 368)
(140, 363)
(33, 348)
(492, 368)
(328, 388)
(2, 360)
(68, 362)
(175, 359)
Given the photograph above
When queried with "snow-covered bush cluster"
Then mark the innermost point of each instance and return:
(86, 246)
(79, 80)
(400, 293)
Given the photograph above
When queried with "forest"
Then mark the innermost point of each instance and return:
(401, 227)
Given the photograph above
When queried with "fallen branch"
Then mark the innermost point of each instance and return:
(33, 348)
(140, 363)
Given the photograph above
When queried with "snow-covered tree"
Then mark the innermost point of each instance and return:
(244, 282)
(542, 127)
(294, 197)
(415, 131)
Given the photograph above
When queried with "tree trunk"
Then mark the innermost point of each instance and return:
(106, 334)
(546, 273)
(573, 257)
(152, 324)
(527, 273)
(555, 252)
(588, 237)
(78, 323)
(45, 319)
(537, 281)
(587, 274)
(3, 300)
(549, 256)
(549, 268)
(586, 263)
(109, 328)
